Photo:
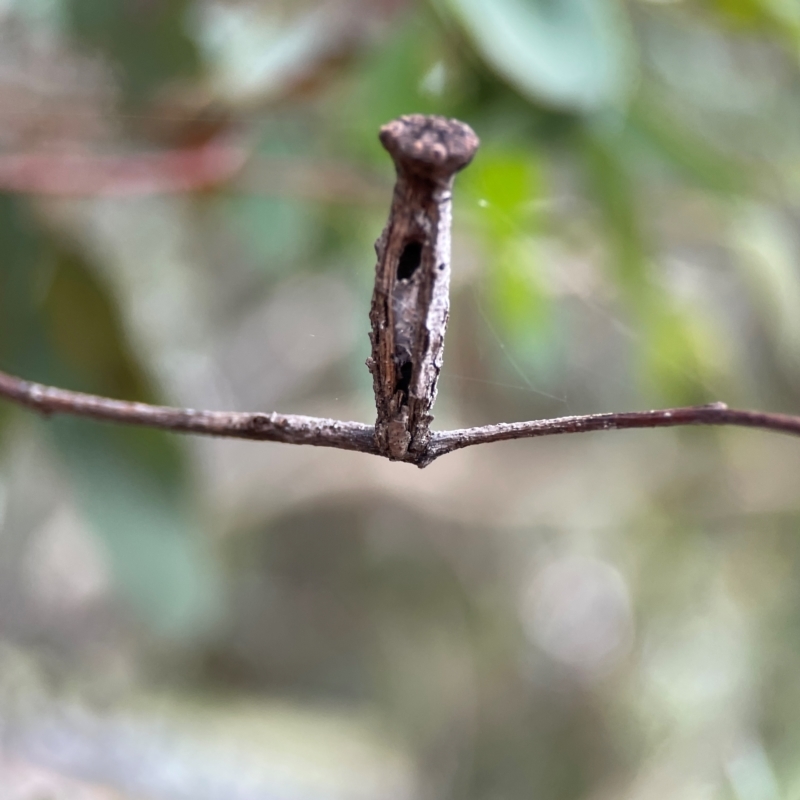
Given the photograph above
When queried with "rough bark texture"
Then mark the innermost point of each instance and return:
(287, 428)
(294, 429)
(411, 300)
(408, 315)
(711, 414)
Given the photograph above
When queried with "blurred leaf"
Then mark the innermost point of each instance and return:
(279, 231)
(571, 54)
(780, 18)
(147, 40)
(259, 50)
(521, 302)
(768, 254)
(85, 334)
(785, 14)
(89, 346)
(504, 184)
(502, 187)
(25, 271)
(612, 187)
(158, 557)
(747, 13)
(24, 275)
(58, 326)
(680, 352)
(689, 155)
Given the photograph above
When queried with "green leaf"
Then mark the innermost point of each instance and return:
(574, 55)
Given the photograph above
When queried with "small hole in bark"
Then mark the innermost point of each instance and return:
(441, 266)
(410, 259)
(404, 378)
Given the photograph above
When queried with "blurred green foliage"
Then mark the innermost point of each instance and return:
(626, 237)
(146, 42)
(575, 54)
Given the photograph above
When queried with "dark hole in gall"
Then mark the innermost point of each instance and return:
(404, 378)
(410, 260)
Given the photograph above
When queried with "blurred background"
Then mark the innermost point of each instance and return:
(189, 193)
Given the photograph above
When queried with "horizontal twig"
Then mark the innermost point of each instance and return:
(711, 414)
(295, 429)
(287, 428)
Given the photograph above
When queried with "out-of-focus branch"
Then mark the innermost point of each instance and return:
(309, 179)
(187, 170)
(294, 429)
(167, 172)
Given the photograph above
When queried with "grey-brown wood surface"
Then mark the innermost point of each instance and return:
(411, 300)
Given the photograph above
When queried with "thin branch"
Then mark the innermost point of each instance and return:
(287, 428)
(409, 316)
(711, 414)
(295, 429)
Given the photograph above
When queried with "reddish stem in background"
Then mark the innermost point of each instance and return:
(187, 170)
(80, 175)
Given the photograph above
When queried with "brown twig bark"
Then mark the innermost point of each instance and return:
(287, 428)
(710, 414)
(409, 315)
